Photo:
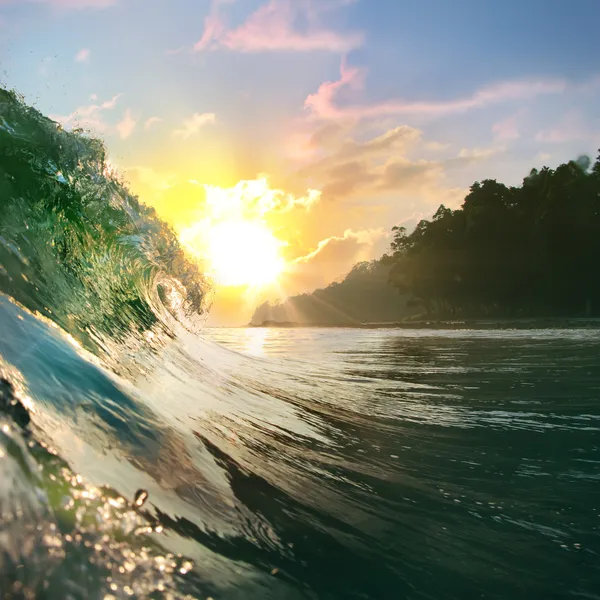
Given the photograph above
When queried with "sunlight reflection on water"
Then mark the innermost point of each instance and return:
(290, 463)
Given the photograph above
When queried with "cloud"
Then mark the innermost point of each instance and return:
(436, 146)
(193, 125)
(151, 121)
(335, 147)
(543, 157)
(398, 138)
(570, 128)
(350, 166)
(184, 202)
(126, 126)
(89, 117)
(402, 174)
(274, 27)
(149, 178)
(379, 166)
(213, 28)
(328, 134)
(323, 104)
(83, 55)
(425, 179)
(329, 249)
(469, 156)
(331, 259)
(66, 4)
(254, 199)
(250, 203)
(507, 130)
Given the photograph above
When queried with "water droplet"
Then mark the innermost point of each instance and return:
(140, 497)
(67, 503)
(129, 566)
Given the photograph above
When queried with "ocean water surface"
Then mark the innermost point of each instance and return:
(310, 463)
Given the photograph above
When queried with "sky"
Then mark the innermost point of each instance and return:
(346, 117)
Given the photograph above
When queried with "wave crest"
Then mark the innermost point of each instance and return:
(75, 245)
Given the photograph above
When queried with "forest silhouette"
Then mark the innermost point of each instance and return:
(508, 252)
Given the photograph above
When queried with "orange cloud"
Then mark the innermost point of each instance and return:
(273, 28)
(331, 259)
(346, 169)
(350, 166)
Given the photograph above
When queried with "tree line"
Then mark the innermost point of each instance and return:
(530, 250)
(525, 251)
(364, 295)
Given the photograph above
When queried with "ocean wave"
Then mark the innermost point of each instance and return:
(75, 245)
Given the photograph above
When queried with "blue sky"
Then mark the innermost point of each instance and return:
(387, 107)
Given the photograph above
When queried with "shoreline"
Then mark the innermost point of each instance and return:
(524, 323)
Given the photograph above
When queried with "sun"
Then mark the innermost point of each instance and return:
(243, 253)
(231, 237)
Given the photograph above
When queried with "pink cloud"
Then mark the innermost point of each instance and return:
(507, 129)
(273, 28)
(213, 29)
(66, 4)
(570, 128)
(83, 55)
(323, 104)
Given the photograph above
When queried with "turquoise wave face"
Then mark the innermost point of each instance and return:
(75, 244)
